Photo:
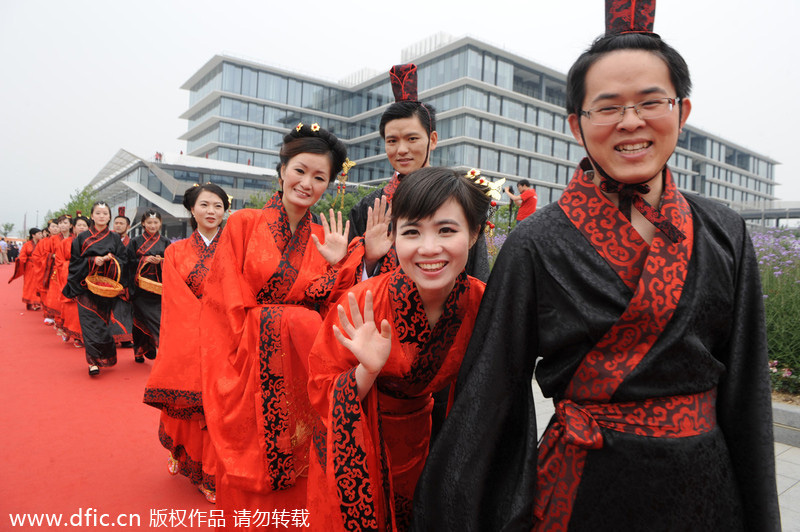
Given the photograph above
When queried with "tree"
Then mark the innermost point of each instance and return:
(7, 228)
(350, 199)
(80, 200)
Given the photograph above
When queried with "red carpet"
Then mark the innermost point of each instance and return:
(70, 442)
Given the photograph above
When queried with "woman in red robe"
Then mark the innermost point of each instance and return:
(174, 385)
(373, 386)
(70, 321)
(259, 320)
(43, 258)
(51, 301)
(24, 267)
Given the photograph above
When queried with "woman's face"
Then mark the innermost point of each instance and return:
(37, 236)
(433, 251)
(152, 225)
(305, 178)
(81, 226)
(208, 211)
(64, 226)
(53, 228)
(101, 215)
(632, 150)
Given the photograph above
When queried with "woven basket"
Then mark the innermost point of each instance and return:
(105, 286)
(147, 284)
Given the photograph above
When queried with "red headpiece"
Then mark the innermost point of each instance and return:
(77, 213)
(121, 211)
(630, 16)
(404, 82)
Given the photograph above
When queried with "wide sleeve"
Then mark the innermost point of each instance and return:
(481, 471)
(744, 403)
(78, 271)
(351, 448)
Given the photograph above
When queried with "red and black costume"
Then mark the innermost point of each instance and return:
(146, 304)
(94, 310)
(655, 357)
(122, 311)
(175, 385)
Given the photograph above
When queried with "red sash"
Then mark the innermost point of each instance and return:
(655, 275)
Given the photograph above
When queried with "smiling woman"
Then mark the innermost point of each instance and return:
(259, 316)
(397, 338)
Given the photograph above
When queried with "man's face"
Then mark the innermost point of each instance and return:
(406, 143)
(633, 150)
(120, 226)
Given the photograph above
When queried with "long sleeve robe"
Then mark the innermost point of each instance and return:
(258, 323)
(175, 384)
(366, 462)
(556, 292)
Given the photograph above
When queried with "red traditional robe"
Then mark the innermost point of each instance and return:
(43, 259)
(24, 267)
(52, 298)
(366, 463)
(258, 323)
(70, 322)
(174, 385)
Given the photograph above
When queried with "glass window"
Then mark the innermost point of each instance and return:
(545, 145)
(231, 78)
(559, 149)
(250, 136)
(472, 127)
(488, 159)
(489, 68)
(272, 87)
(470, 156)
(505, 135)
(476, 99)
(255, 113)
(545, 119)
(272, 140)
(221, 180)
(229, 133)
(513, 109)
(474, 61)
(532, 112)
(249, 82)
(494, 104)
(245, 157)
(295, 93)
(559, 124)
(487, 130)
(527, 140)
(508, 163)
(505, 75)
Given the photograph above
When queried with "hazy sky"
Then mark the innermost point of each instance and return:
(82, 79)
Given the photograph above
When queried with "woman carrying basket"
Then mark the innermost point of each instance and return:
(145, 255)
(94, 281)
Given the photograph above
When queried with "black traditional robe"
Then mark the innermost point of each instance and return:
(146, 305)
(553, 295)
(94, 310)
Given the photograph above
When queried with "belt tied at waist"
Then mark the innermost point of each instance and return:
(576, 429)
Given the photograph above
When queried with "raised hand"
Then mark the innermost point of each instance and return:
(377, 240)
(336, 238)
(362, 338)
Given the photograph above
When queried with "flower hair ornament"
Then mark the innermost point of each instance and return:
(299, 127)
(341, 186)
(492, 189)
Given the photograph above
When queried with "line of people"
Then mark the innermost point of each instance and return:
(303, 365)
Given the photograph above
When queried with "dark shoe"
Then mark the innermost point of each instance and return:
(139, 359)
(94, 370)
(126, 345)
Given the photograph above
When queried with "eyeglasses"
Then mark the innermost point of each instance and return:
(646, 110)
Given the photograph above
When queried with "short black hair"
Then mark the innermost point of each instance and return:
(649, 42)
(406, 109)
(524, 183)
(127, 220)
(420, 194)
(148, 213)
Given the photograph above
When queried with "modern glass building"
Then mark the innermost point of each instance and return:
(140, 184)
(496, 111)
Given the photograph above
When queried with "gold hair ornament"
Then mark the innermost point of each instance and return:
(341, 186)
